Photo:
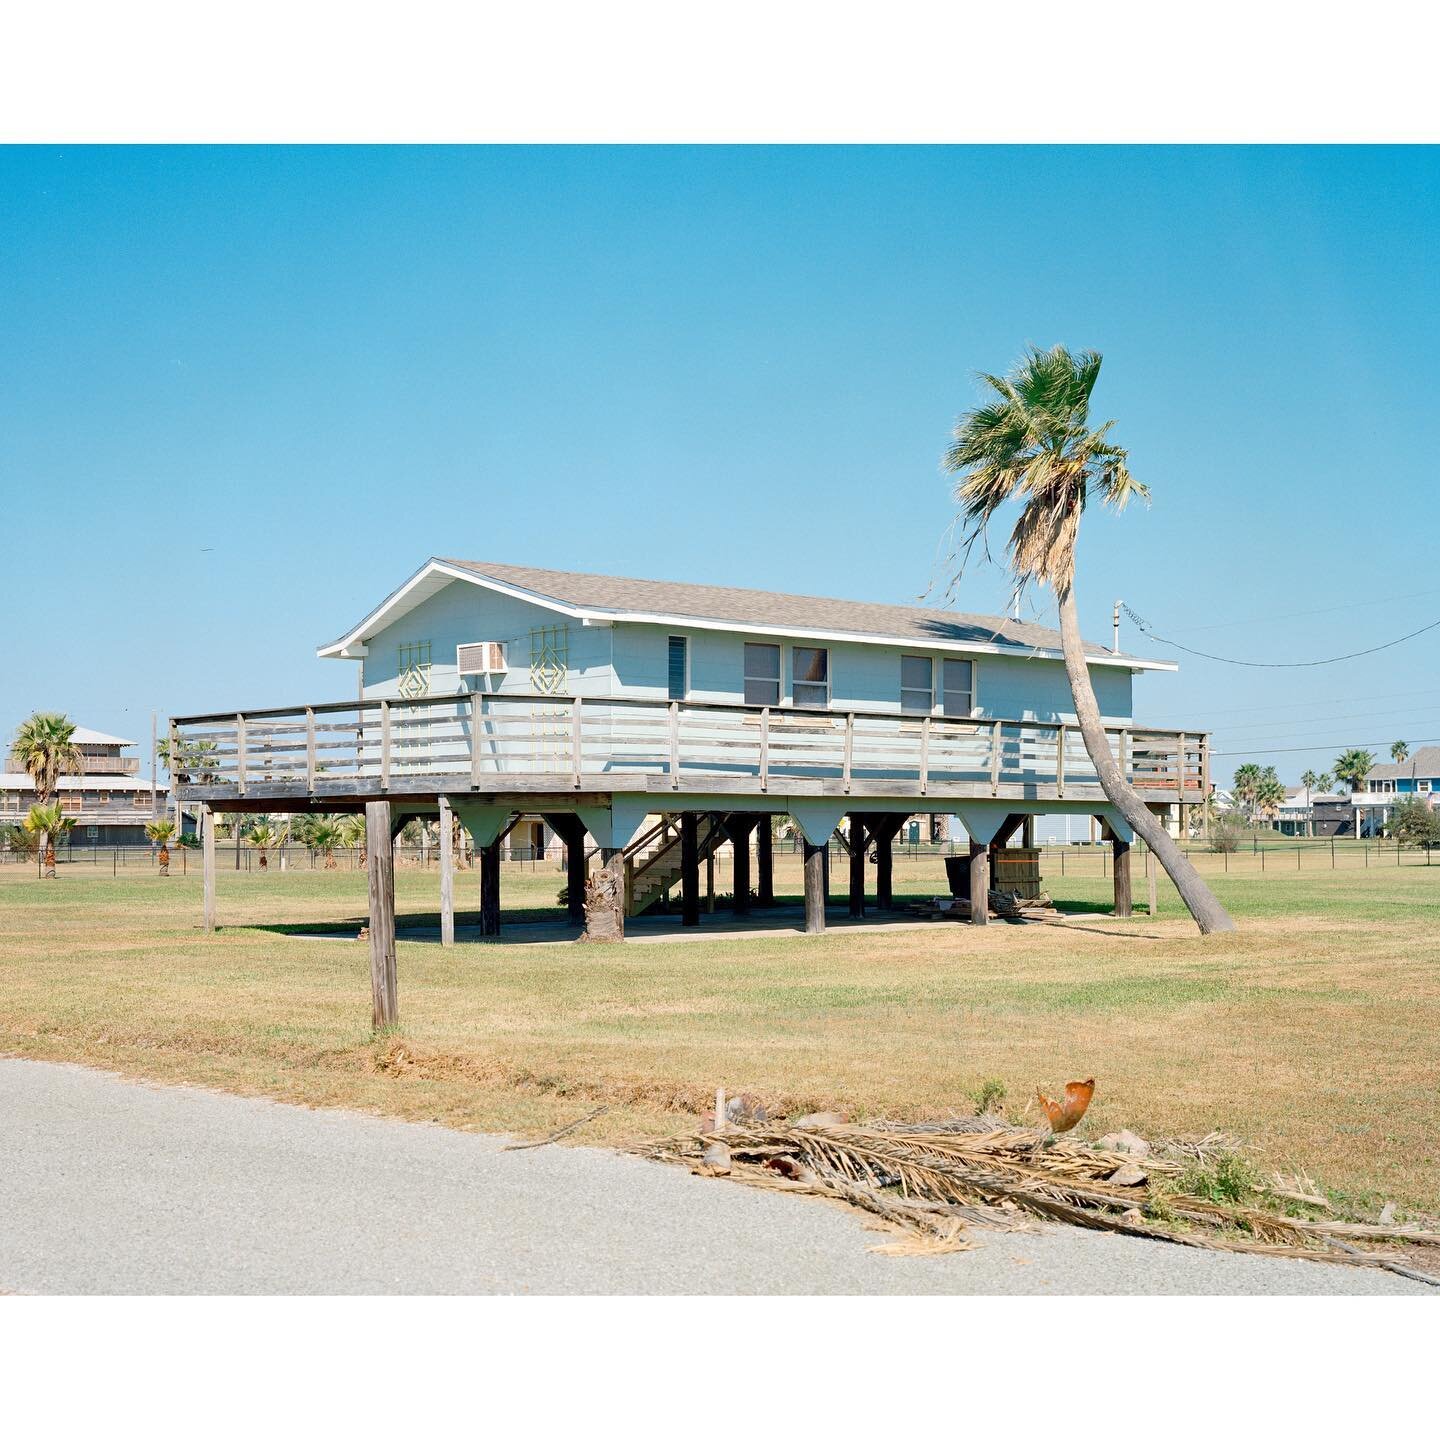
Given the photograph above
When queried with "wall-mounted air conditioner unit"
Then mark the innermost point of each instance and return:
(483, 657)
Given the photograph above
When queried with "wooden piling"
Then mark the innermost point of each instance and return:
(690, 868)
(857, 867)
(765, 862)
(380, 873)
(1120, 849)
(447, 874)
(490, 889)
(979, 883)
(814, 888)
(207, 839)
(739, 828)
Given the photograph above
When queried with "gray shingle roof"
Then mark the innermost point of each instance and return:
(1424, 764)
(768, 607)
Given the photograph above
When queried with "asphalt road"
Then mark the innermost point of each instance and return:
(108, 1186)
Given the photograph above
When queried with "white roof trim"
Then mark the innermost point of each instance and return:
(351, 646)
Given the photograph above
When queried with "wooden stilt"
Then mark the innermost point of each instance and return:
(490, 889)
(1120, 849)
(979, 883)
(690, 868)
(885, 833)
(207, 840)
(739, 828)
(857, 866)
(447, 874)
(380, 873)
(571, 831)
(814, 888)
(764, 863)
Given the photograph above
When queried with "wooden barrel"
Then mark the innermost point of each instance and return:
(1016, 871)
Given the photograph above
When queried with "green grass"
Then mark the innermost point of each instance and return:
(1314, 1032)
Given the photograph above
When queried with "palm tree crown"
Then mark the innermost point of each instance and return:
(45, 746)
(1033, 442)
(1399, 751)
(1353, 766)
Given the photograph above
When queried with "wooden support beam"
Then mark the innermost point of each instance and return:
(380, 873)
(857, 866)
(571, 830)
(739, 827)
(979, 883)
(690, 868)
(814, 888)
(882, 830)
(207, 840)
(490, 888)
(1120, 849)
(447, 873)
(764, 863)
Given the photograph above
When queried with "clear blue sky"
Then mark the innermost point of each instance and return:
(243, 393)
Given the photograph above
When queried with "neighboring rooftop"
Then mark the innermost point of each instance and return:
(1424, 764)
(86, 736)
(758, 611)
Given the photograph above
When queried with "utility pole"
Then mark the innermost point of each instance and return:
(1115, 629)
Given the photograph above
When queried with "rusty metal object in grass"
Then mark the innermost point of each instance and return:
(1066, 1114)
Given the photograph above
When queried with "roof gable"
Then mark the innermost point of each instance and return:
(610, 599)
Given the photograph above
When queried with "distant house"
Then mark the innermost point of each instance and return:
(1417, 775)
(110, 801)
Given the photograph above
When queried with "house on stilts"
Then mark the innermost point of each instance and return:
(657, 719)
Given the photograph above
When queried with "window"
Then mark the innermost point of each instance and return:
(412, 674)
(958, 680)
(810, 675)
(1423, 786)
(481, 657)
(917, 684)
(678, 662)
(762, 674)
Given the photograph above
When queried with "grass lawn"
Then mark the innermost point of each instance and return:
(1314, 1033)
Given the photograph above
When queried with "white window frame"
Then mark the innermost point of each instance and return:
(915, 690)
(811, 684)
(974, 686)
(1422, 787)
(778, 679)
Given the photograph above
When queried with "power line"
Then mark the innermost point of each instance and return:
(1300, 614)
(1333, 745)
(1144, 626)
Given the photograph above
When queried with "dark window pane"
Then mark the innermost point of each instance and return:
(677, 667)
(915, 672)
(958, 679)
(762, 662)
(810, 665)
(762, 692)
(812, 695)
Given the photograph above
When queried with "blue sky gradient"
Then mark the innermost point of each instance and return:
(245, 392)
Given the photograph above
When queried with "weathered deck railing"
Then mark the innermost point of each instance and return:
(641, 744)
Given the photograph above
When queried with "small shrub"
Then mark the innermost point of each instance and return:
(1226, 835)
(1229, 1180)
(989, 1097)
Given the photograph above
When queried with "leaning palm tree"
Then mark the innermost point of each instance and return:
(161, 832)
(1352, 766)
(47, 822)
(1032, 442)
(45, 748)
(1399, 751)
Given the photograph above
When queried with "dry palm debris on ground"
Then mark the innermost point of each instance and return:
(931, 1184)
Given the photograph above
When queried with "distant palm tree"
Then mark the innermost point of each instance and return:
(47, 822)
(1353, 766)
(352, 829)
(324, 834)
(1324, 782)
(264, 837)
(1246, 787)
(161, 832)
(45, 748)
(1399, 751)
(1032, 443)
(1269, 794)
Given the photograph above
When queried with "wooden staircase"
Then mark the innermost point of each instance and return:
(652, 860)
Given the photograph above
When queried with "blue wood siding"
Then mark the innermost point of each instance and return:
(632, 659)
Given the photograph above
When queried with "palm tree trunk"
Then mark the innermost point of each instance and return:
(48, 842)
(164, 858)
(1207, 911)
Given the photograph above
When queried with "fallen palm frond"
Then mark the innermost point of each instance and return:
(933, 1182)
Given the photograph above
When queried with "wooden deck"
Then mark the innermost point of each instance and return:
(563, 752)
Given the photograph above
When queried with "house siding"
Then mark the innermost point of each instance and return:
(633, 660)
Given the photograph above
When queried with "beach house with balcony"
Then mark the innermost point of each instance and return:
(656, 717)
